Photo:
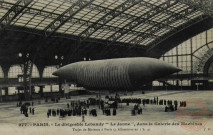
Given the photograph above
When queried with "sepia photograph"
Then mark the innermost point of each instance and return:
(101, 67)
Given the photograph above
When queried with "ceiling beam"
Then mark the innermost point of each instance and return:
(205, 6)
(139, 20)
(158, 49)
(140, 38)
(176, 30)
(63, 18)
(107, 18)
(73, 20)
(13, 12)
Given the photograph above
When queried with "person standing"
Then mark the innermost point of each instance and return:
(48, 114)
(157, 100)
(83, 118)
(21, 109)
(33, 111)
(114, 112)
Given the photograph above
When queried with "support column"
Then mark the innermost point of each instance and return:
(177, 83)
(60, 86)
(41, 92)
(32, 89)
(51, 88)
(191, 51)
(40, 70)
(27, 74)
(164, 85)
(0, 94)
(5, 69)
(6, 91)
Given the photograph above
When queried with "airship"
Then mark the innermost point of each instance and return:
(115, 74)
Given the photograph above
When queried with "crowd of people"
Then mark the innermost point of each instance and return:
(77, 108)
(169, 104)
(136, 110)
(24, 108)
(66, 112)
(107, 111)
(108, 106)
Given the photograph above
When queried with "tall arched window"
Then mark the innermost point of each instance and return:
(35, 72)
(211, 68)
(14, 71)
(1, 73)
(189, 52)
(48, 70)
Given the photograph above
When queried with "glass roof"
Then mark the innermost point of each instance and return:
(138, 21)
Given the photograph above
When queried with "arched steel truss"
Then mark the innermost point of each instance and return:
(134, 22)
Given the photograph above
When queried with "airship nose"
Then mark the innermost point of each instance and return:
(177, 70)
(63, 72)
(56, 73)
(174, 69)
(170, 69)
(161, 69)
